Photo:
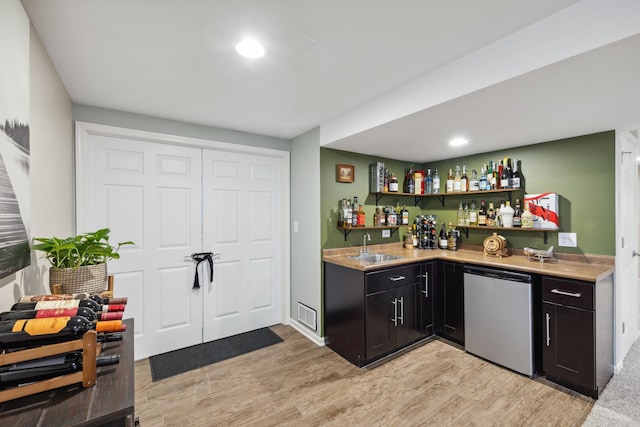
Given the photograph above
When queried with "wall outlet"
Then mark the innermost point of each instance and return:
(386, 233)
(569, 240)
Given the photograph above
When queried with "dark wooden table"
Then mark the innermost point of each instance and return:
(109, 402)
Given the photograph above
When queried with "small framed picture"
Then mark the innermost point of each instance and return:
(345, 173)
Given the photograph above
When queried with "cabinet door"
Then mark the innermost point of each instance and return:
(453, 293)
(408, 321)
(380, 329)
(425, 298)
(568, 347)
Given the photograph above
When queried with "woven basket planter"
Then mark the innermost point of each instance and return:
(91, 279)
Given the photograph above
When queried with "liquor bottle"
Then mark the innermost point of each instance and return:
(450, 178)
(492, 176)
(41, 305)
(505, 176)
(436, 182)
(361, 220)
(464, 180)
(25, 333)
(442, 242)
(386, 180)
(517, 215)
(482, 215)
(409, 184)
(467, 215)
(491, 216)
(428, 183)
(50, 367)
(484, 183)
(354, 215)
(474, 183)
(526, 219)
(499, 174)
(499, 214)
(349, 216)
(515, 175)
(460, 219)
(85, 312)
(393, 184)
(507, 214)
(473, 214)
(457, 181)
(404, 215)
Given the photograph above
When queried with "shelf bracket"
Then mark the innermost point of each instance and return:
(466, 232)
(545, 237)
(378, 197)
(346, 232)
(441, 198)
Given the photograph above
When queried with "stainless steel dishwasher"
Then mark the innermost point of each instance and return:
(498, 317)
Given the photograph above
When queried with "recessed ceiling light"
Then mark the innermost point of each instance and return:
(250, 48)
(458, 141)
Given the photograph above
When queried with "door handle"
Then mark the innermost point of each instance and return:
(426, 284)
(395, 312)
(401, 310)
(569, 294)
(635, 253)
(548, 335)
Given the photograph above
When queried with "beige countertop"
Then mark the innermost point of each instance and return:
(577, 267)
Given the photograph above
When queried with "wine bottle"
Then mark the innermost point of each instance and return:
(464, 180)
(27, 372)
(40, 305)
(505, 176)
(515, 175)
(60, 312)
(442, 242)
(436, 182)
(449, 188)
(80, 296)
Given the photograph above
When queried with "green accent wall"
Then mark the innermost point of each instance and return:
(580, 169)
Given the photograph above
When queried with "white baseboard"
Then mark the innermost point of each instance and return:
(306, 332)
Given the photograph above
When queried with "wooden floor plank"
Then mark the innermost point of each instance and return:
(297, 383)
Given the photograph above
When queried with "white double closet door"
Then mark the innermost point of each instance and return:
(175, 200)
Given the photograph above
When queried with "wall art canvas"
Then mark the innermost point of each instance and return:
(15, 198)
(545, 210)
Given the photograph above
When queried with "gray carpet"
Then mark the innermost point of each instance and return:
(619, 403)
(178, 361)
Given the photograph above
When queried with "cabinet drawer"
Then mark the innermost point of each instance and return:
(568, 292)
(392, 278)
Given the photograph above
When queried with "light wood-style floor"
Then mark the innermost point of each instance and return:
(296, 383)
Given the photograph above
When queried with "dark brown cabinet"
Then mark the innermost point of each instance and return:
(448, 304)
(369, 315)
(425, 298)
(577, 333)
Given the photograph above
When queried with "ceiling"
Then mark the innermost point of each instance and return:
(330, 63)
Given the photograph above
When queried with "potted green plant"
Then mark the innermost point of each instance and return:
(79, 263)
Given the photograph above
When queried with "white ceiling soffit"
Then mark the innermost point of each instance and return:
(175, 59)
(586, 81)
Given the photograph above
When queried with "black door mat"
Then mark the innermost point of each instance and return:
(186, 359)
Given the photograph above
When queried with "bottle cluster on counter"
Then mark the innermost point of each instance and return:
(423, 234)
(495, 175)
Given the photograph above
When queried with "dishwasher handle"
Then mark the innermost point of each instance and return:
(498, 274)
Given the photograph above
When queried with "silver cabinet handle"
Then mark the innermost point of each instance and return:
(569, 294)
(548, 335)
(401, 310)
(426, 284)
(396, 278)
(395, 312)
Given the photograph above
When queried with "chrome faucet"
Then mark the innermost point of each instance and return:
(366, 238)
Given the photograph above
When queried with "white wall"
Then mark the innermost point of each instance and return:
(306, 255)
(51, 139)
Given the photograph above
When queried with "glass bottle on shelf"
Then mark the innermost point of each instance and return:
(484, 183)
(405, 215)
(428, 182)
(473, 214)
(460, 219)
(526, 220)
(467, 215)
(474, 184)
(442, 241)
(505, 177)
(457, 181)
(354, 206)
(436, 182)
(450, 178)
(361, 220)
(515, 175)
(464, 180)
(482, 215)
(491, 216)
(393, 184)
(507, 214)
(517, 215)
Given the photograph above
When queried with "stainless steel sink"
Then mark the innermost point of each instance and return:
(374, 257)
